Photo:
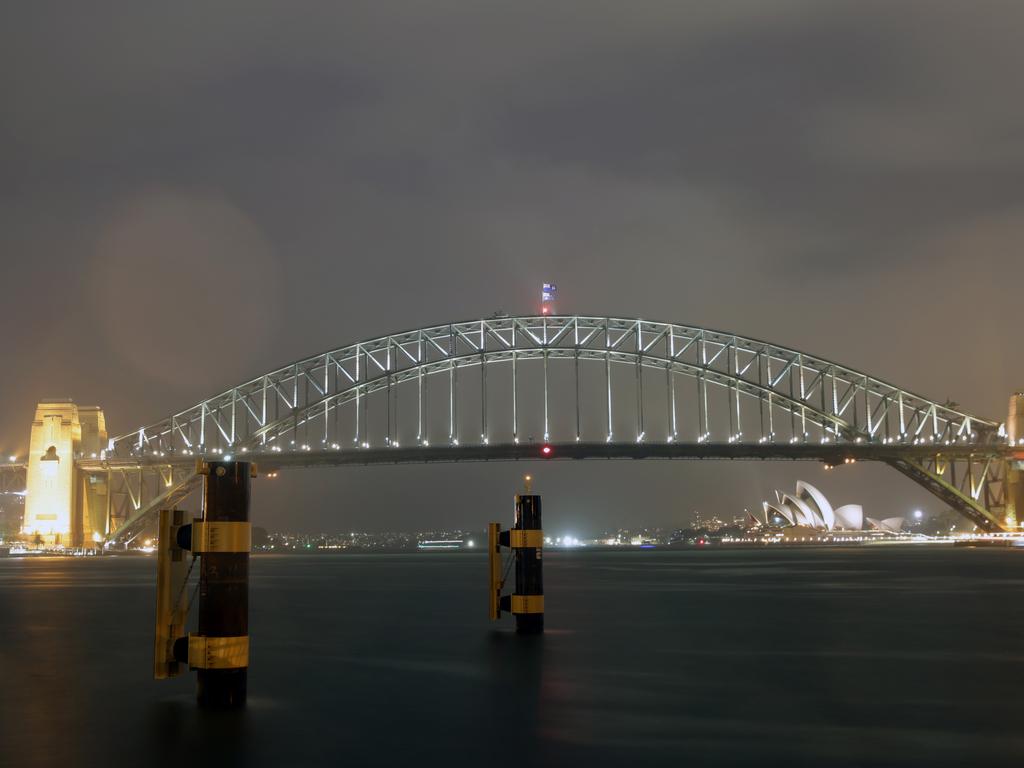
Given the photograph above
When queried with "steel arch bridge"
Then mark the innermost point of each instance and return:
(584, 386)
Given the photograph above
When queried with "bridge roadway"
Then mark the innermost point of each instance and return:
(833, 454)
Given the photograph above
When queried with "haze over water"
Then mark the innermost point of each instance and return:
(862, 656)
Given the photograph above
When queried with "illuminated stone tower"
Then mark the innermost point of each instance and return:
(90, 520)
(62, 505)
(1015, 468)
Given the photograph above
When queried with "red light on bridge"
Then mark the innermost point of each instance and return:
(546, 450)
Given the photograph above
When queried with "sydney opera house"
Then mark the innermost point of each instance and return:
(808, 508)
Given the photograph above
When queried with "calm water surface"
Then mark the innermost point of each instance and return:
(869, 656)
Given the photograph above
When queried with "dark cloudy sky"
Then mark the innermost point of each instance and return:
(193, 193)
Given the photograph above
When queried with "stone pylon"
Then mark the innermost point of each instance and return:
(63, 506)
(1015, 466)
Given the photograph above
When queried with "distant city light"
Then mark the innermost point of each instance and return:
(918, 514)
(546, 450)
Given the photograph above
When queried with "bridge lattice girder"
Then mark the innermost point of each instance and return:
(715, 388)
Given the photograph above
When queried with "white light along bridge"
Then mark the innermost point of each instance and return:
(536, 387)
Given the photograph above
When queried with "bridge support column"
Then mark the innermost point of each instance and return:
(1015, 463)
(171, 609)
(224, 589)
(219, 650)
(526, 540)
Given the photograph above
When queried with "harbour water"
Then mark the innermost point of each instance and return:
(899, 655)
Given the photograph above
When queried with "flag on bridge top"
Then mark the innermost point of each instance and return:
(548, 292)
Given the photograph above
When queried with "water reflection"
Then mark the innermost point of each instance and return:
(849, 657)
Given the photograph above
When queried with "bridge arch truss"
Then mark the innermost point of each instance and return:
(580, 381)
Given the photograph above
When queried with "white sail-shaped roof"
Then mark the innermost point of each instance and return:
(804, 514)
(770, 510)
(810, 507)
(889, 524)
(817, 501)
(850, 517)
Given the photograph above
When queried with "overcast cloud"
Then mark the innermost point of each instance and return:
(194, 193)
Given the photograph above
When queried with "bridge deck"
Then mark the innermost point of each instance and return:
(828, 453)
